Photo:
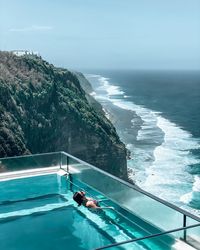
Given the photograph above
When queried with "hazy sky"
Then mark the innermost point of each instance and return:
(81, 34)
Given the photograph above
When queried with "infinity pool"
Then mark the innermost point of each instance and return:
(39, 213)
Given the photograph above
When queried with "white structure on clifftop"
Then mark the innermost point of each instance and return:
(25, 52)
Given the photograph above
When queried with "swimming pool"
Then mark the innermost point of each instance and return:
(38, 212)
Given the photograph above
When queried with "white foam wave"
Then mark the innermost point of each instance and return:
(93, 93)
(186, 198)
(171, 159)
(110, 89)
(196, 186)
(167, 173)
(176, 137)
(193, 198)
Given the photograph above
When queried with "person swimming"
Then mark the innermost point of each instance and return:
(88, 202)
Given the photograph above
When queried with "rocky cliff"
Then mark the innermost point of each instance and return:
(46, 109)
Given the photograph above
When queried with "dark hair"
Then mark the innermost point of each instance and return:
(78, 198)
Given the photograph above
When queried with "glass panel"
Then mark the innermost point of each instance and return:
(148, 211)
(171, 241)
(77, 167)
(29, 162)
(195, 231)
(64, 162)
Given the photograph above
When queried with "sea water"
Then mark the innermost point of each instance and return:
(156, 114)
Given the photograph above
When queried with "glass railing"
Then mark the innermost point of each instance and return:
(156, 215)
(146, 207)
(127, 195)
(30, 162)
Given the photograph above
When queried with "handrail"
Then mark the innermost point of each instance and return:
(135, 187)
(147, 237)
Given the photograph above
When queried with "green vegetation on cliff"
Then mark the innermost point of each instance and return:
(45, 109)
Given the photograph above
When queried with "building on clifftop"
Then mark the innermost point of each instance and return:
(25, 52)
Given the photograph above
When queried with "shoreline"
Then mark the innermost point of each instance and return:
(122, 120)
(126, 131)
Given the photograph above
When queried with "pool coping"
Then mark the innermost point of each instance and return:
(28, 173)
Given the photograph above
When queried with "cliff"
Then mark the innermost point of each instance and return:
(45, 109)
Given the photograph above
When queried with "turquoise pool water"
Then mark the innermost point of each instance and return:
(39, 213)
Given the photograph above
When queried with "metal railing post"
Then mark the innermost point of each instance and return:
(67, 164)
(60, 159)
(184, 225)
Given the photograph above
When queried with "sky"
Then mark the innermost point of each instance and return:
(105, 34)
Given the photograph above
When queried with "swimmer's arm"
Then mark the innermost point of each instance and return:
(105, 207)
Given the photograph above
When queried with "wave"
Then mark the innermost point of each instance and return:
(111, 90)
(168, 171)
(193, 198)
(162, 150)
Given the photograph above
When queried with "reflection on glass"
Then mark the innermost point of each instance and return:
(29, 162)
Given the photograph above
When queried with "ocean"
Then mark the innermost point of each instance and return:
(157, 116)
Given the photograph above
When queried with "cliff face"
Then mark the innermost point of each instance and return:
(45, 109)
